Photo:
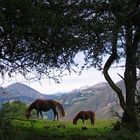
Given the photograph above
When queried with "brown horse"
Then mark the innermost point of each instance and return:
(85, 115)
(45, 105)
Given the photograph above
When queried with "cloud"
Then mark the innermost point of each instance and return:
(69, 82)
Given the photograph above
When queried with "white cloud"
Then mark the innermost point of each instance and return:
(69, 82)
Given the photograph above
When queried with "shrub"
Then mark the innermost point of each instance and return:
(6, 126)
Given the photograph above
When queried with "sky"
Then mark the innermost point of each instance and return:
(68, 82)
(88, 77)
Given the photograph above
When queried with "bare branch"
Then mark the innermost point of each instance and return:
(116, 114)
(121, 76)
(108, 64)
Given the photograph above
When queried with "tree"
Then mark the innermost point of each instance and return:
(46, 35)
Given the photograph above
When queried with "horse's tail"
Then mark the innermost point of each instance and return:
(61, 109)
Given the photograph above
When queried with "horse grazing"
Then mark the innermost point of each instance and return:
(85, 115)
(45, 105)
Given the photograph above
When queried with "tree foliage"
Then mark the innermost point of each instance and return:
(13, 110)
(42, 34)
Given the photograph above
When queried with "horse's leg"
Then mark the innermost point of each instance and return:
(92, 119)
(55, 113)
(83, 121)
(41, 114)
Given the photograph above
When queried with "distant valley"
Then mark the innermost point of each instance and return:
(99, 98)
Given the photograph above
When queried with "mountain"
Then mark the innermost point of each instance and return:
(99, 98)
(19, 91)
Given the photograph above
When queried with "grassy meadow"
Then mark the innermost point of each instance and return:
(15, 126)
(65, 130)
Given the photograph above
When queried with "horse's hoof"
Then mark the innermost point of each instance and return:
(84, 128)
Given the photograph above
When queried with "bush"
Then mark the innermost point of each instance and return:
(6, 126)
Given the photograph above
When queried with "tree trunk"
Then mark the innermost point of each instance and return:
(130, 115)
(109, 62)
(130, 79)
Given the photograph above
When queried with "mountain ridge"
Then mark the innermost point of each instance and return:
(99, 98)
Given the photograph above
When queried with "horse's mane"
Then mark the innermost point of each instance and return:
(31, 106)
(77, 117)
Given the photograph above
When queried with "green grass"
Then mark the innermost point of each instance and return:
(48, 129)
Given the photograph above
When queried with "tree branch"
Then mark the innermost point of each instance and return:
(121, 76)
(108, 64)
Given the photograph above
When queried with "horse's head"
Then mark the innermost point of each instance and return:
(27, 114)
(74, 121)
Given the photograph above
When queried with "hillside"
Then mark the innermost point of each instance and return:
(19, 91)
(99, 98)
